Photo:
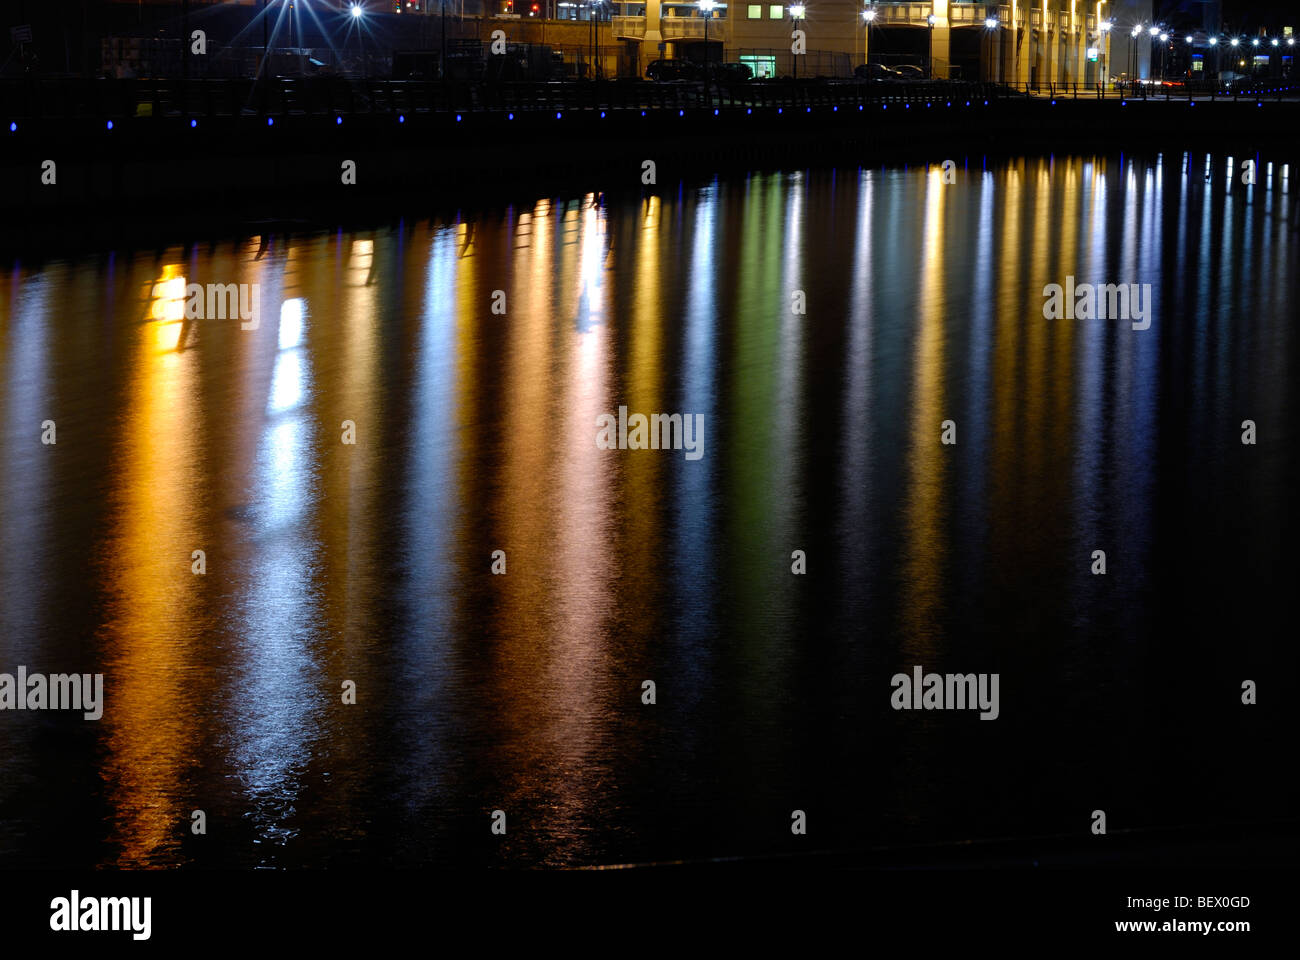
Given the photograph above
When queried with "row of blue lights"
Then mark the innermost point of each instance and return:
(749, 110)
(1190, 103)
(401, 118)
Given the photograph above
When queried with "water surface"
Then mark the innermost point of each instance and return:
(475, 432)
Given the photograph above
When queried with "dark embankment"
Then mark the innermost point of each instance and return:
(116, 161)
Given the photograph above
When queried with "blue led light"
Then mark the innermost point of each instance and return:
(13, 128)
(270, 121)
(338, 121)
(193, 124)
(558, 114)
(510, 116)
(110, 124)
(458, 118)
(401, 118)
(602, 114)
(715, 111)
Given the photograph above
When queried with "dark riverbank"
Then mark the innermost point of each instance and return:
(284, 163)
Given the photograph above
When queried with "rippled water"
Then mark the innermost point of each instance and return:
(476, 431)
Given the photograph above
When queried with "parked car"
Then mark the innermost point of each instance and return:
(872, 71)
(878, 71)
(733, 72)
(664, 71)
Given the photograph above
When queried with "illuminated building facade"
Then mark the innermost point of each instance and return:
(1049, 41)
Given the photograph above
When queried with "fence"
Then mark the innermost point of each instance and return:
(133, 57)
(334, 97)
(127, 58)
(468, 60)
(1155, 90)
(814, 63)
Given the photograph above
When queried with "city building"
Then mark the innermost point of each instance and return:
(1050, 41)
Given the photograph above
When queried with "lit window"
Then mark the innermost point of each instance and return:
(775, 12)
(762, 66)
(756, 11)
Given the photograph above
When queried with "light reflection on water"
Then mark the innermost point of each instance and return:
(369, 563)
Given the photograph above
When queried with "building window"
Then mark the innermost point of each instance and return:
(762, 66)
(756, 11)
(775, 12)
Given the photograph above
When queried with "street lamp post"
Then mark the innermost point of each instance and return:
(706, 9)
(1133, 56)
(593, 8)
(868, 17)
(1153, 31)
(990, 25)
(929, 57)
(1103, 74)
(796, 13)
(357, 12)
